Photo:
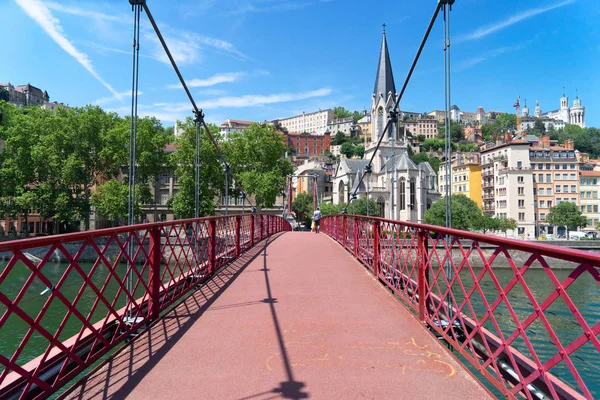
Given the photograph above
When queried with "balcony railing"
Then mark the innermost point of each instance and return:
(500, 303)
(67, 300)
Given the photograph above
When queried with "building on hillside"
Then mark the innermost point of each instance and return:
(589, 200)
(513, 183)
(53, 106)
(233, 125)
(556, 179)
(574, 115)
(481, 117)
(315, 123)
(347, 126)
(306, 145)
(29, 95)
(473, 134)
(529, 122)
(364, 126)
(403, 190)
(438, 115)
(421, 126)
(465, 176)
(335, 150)
(405, 115)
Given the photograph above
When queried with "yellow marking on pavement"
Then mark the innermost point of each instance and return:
(452, 370)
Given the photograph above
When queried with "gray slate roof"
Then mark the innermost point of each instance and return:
(356, 165)
(399, 162)
(384, 81)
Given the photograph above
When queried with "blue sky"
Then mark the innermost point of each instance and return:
(267, 59)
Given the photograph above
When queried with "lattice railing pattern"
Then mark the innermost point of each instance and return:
(66, 300)
(512, 309)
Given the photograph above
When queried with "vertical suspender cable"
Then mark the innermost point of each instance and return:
(132, 150)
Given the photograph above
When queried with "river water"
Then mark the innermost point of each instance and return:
(585, 294)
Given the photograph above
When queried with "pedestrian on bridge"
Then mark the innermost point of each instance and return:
(317, 219)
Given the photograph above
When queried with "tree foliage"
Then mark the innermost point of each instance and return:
(487, 223)
(507, 224)
(567, 214)
(302, 206)
(465, 213)
(359, 207)
(330, 208)
(211, 171)
(4, 95)
(423, 157)
(257, 159)
(51, 161)
(586, 140)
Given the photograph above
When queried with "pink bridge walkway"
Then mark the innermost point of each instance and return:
(295, 317)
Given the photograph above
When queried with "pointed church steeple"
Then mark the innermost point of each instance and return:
(384, 81)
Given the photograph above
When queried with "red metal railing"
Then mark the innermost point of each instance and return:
(523, 314)
(112, 283)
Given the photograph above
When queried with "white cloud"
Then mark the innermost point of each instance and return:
(276, 7)
(40, 13)
(488, 29)
(124, 94)
(174, 111)
(468, 63)
(212, 92)
(184, 46)
(213, 80)
(81, 12)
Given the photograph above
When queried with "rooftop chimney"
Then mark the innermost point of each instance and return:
(545, 141)
(507, 137)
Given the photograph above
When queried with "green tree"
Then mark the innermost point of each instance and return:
(347, 149)
(433, 145)
(330, 208)
(357, 115)
(507, 122)
(341, 112)
(423, 157)
(487, 223)
(507, 224)
(302, 206)
(359, 207)
(465, 213)
(211, 171)
(111, 201)
(339, 138)
(359, 151)
(538, 128)
(567, 214)
(257, 159)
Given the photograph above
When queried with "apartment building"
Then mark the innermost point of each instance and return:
(421, 126)
(315, 123)
(233, 125)
(345, 125)
(306, 145)
(513, 182)
(555, 170)
(588, 198)
(465, 176)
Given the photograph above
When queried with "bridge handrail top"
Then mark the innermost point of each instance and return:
(560, 252)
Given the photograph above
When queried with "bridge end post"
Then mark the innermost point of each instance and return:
(237, 234)
(154, 275)
(376, 248)
(422, 267)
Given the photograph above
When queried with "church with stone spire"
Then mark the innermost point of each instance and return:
(404, 190)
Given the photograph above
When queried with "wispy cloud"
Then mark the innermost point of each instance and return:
(280, 6)
(173, 111)
(82, 12)
(213, 80)
(109, 99)
(185, 46)
(40, 13)
(470, 62)
(491, 28)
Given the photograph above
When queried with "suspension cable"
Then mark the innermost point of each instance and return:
(199, 115)
(393, 114)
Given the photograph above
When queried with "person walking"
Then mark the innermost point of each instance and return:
(317, 219)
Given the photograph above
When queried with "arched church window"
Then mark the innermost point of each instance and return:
(381, 204)
(412, 194)
(402, 194)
